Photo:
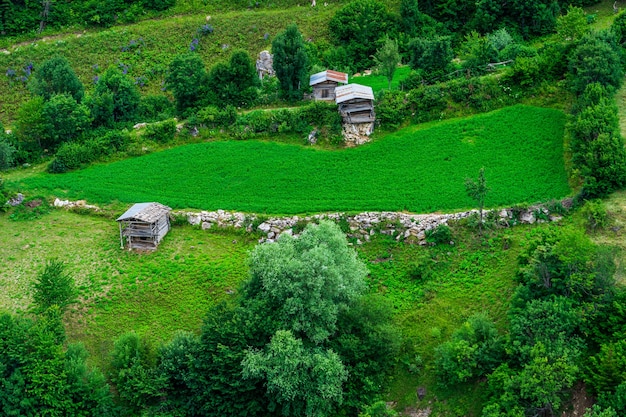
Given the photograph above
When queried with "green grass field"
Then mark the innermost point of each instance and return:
(419, 169)
(380, 82)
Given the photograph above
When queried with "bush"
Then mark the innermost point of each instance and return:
(595, 215)
(7, 153)
(161, 131)
(212, 116)
(155, 107)
(475, 350)
(391, 108)
(426, 103)
(440, 235)
(73, 155)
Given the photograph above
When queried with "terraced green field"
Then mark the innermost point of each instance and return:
(419, 169)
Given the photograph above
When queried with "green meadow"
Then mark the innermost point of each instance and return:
(419, 169)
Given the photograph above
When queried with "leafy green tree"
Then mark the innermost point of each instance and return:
(64, 120)
(475, 350)
(431, 56)
(607, 369)
(477, 51)
(545, 380)
(534, 17)
(133, 372)
(619, 28)
(595, 59)
(597, 147)
(300, 381)
(555, 322)
(564, 262)
(290, 62)
(414, 23)
(56, 76)
(122, 92)
(387, 59)
(477, 190)
(360, 27)
(368, 344)
(216, 382)
(487, 15)
(38, 376)
(573, 25)
(305, 282)
(187, 78)
(7, 151)
(54, 286)
(31, 123)
(234, 83)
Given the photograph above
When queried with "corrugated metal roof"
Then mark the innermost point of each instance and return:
(353, 91)
(145, 212)
(329, 75)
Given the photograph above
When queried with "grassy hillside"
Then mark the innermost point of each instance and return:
(420, 169)
(151, 45)
(157, 294)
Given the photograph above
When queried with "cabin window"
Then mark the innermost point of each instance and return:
(324, 93)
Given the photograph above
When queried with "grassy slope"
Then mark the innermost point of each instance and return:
(417, 169)
(154, 294)
(157, 294)
(161, 40)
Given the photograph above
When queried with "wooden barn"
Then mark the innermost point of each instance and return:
(325, 82)
(143, 225)
(356, 103)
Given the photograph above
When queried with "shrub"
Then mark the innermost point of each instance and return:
(161, 131)
(73, 155)
(440, 235)
(7, 152)
(475, 350)
(155, 107)
(426, 103)
(212, 116)
(64, 120)
(56, 76)
(595, 215)
(391, 108)
(54, 287)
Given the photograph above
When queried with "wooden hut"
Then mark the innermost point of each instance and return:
(325, 82)
(356, 103)
(144, 225)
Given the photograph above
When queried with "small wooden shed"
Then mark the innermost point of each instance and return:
(325, 82)
(356, 103)
(144, 225)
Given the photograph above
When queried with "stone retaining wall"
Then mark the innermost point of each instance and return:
(404, 226)
(362, 226)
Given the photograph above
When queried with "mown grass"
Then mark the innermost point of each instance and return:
(379, 82)
(420, 169)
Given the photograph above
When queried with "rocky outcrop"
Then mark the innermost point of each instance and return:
(355, 134)
(265, 65)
